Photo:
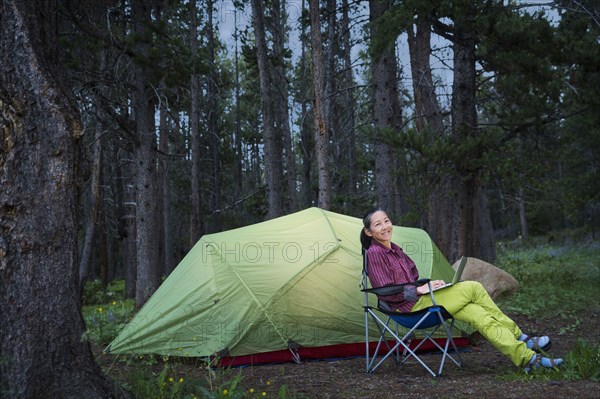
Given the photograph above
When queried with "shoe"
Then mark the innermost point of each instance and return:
(545, 362)
(537, 344)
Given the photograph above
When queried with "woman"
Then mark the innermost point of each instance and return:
(466, 301)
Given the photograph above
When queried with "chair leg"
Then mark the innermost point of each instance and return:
(372, 364)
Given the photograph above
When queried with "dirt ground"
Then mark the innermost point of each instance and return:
(479, 377)
(483, 374)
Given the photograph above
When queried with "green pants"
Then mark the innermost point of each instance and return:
(469, 302)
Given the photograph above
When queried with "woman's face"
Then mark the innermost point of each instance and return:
(381, 228)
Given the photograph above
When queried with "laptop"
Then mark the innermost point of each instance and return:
(457, 274)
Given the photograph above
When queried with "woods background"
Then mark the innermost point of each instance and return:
(486, 128)
(131, 128)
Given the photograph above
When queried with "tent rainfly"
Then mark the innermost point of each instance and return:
(280, 290)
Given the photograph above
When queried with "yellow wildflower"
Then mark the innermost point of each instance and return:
(181, 380)
(225, 392)
(251, 390)
(100, 310)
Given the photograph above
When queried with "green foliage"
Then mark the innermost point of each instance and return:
(171, 382)
(558, 283)
(562, 280)
(104, 321)
(582, 363)
(95, 293)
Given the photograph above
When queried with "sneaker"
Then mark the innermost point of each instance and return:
(545, 362)
(537, 344)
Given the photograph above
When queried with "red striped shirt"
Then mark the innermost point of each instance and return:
(392, 266)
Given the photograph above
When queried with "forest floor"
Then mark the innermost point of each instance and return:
(485, 372)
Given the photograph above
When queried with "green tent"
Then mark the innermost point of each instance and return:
(287, 283)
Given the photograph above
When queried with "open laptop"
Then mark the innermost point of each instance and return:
(457, 274)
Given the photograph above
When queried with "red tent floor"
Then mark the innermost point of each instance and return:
(320, 353)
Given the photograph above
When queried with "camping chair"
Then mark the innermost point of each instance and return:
(427, 321)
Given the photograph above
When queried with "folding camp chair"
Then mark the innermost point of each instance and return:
(427, 321)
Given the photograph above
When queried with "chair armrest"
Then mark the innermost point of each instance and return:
(394, 289)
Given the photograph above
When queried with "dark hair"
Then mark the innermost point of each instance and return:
(365, 240)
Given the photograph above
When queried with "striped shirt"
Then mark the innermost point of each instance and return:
(390, 267)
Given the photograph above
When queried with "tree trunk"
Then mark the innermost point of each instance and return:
(467, 230)
(94, 206)
(273, 156)
(196, 214)
(306, 138)
(428, 115)
(320, 121)
(109, 222)
(280, 96)
(147, 212)
(348, 122)
(387, 112)
(212, 118)
(165, 185)
(127, 218)
(239, 156)
(427, 109)
(43, 355)
(522, 214)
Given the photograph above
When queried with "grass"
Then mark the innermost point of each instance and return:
(564, 279)
(559, 283)
(561, 278)
(160, 377)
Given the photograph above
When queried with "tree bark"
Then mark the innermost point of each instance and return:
(348, 122)
(320, 120)
(127, 220)
(468, 229)
(212, 118)
(238, 182)
(280, 96)
(43, 355)
(94, 206)
(273, 156)
(306, 136)
(147, 211)
(164, 166)
(427, 109)
(387, 112)
(196, 214)
(428, 116)
(522, 214)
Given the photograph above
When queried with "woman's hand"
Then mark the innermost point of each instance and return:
(424, 289)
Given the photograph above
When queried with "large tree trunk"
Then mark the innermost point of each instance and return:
(147, 211)
(43, 355)
(320, 120)
(387, 112)
(428, 115)
(273, 156)
(467, 228)
(427, 109)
